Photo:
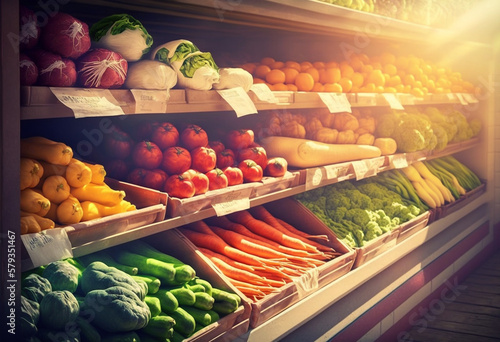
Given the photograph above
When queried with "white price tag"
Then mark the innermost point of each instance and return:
(462, 99)
(263, 93)
(232, 202)
(336, 103)
(314, 177)
(367, 168)
(393, 101)
(47, 246)
(399, 161)
(470, 98)
(150, 101)
(239, 100)
(88, 102)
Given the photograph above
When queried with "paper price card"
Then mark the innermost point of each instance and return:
(263, 93)
(47, 246)
(232, 202)
(314, 177)
(367, 168)
(393, 101)
(150, 101)
(398, 161)
(462, 99)
(470, 98)
(88, 102)
(239, 100)
(336, 103)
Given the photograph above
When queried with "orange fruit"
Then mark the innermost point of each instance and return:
(366, 69)
(357, 80)
(267, 61)
(258, 80)
(331, 75)
(356, 63)
(279, 87)
(368, 88)
(277, 65)
(346, 84)
(292, 64)
(250, 67)
(261, 71)
(393, 81)
(305, 65)
(331, 64)
(314, 73)
(318, 87)
(402, 62)
(346, 70)
(292, 87)
(400, 88)
(304, 81)
(379, 89)
(275, 76)
(319, 65)
(387, 58)
(390, 90)
(333, 87)
(377, 78)
(417, 92)
(377, 66)
(390, 69)
(290, 74)
(408, 79)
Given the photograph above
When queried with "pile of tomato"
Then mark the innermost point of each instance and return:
(183, 161)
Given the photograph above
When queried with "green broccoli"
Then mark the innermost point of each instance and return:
(476, 125)
(387, 123)
(358, 199)
(372, 230)
(358, 216)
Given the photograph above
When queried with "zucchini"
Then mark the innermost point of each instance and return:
(203, 301)
(152, 282)
(154, 305)
(168, 302)
(184, 322)
(160, 326)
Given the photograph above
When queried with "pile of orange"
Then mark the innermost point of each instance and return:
(384, 73)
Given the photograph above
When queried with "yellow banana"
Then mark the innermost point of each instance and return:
(435, 190)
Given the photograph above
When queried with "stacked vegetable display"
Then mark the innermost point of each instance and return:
(59, 189)
(184, 162)
(151, 296)
(257, 251)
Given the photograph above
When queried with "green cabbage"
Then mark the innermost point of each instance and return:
(58, 308)
(62, 276)
(196, 61)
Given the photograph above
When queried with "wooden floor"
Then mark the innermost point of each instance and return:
(474, 315)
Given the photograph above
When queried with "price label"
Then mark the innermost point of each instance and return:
(470, 98)
(393, 101)
(336, 103)
(367, 168)
(150, 101)
(314, 177)
(366, 99)
(239, 100)
(462, 99)
(47, 246)
(263, 93)
(232, 202)
(451, 97)
(399, 161)
(88, 102)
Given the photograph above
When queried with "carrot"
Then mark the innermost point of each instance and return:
(236, 273)
(261, 213)
(263, 288)
(218, 245)
(247, 244)
(208, 253)
(200, 227)
(225, 223)
(264, 229)
(319, 246)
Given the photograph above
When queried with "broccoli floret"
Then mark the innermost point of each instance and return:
(387, 124)
(464, 132)
(358, 199)
(414, 133)
(372, 230)
(358, 216)
(441, 136)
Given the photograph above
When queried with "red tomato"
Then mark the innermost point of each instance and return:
(252, 172)
(179, 186)
(201, 183)
(217, 179)
(239, 138)
(143, 130)
(216, 145)
(276, 167)
(165, 135)
(155, 179)
(136, 176)
(189, 173)
(234, 175)
(193, 136)
(257, 154)
(203, 159)
(225, 158)
(116, 168)
(176, 160)
(118, 143)
(147, 154)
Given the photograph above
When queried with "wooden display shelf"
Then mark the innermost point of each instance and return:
(41, 103)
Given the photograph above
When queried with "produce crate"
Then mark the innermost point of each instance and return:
(450, 208)
(229, 327)
(184, 206)
(151, 207)
(375, 247)
(411, 227)
(296, 214)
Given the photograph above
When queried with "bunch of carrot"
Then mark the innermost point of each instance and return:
(257, 251)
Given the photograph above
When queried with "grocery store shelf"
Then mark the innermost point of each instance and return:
(452, 229)
(42, 103)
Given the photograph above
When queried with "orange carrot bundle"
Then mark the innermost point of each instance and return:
(209, 253)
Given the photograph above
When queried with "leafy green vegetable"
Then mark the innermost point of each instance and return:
(116, 24)
(98, 275)
(28, 319)
(117, 309)
(195, 61)
(58, 308)
(35, 287)
(62, 275)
